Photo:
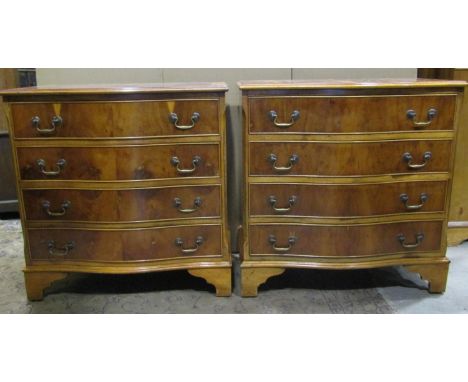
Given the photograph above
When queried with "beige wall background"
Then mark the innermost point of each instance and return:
(234, 113)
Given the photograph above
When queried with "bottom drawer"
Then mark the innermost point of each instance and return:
(125, 245)
(345, 241)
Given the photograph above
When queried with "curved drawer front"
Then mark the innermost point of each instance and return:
(115, 119)
(122, 205)
(345, 241)
(348, 159)
(351, 114)
(119, 163)
(125, 245)
(346, 200)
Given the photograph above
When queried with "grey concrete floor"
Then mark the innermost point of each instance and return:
(386, 290)
(414, 300)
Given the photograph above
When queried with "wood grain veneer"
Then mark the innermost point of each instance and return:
(330, 200)
(120, 163)
(349, 159)
(116, 184)
(116, 119)
(351, 114)
(325, 167)
(124, 245)
(123, 205)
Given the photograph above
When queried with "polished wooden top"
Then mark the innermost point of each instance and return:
(174, 87)
(347, 84)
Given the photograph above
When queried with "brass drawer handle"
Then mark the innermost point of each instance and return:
(180, 243)
(419, 238)
(293, 159)
(431, 113)
(173, 118)
(63, 251)
(423, 198)
(55, 122)
(273, 115)
(41, 163)
(196, 160)
(46, 206)
(197, 202)
(272, 200)
(291, 241)
(407, 157)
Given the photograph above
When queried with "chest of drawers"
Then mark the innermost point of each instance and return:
(121, 180)
(347, 175)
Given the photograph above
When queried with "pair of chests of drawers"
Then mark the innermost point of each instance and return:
(115, 181)
(347, 176)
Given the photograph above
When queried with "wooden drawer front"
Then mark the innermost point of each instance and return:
(350, 114)
(125, 245)
(120, 163)
(344, 159)
(123, 205)
(346, 200)
(343, 241)
(115, 119)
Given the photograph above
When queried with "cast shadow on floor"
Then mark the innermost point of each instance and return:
(291, 279)
(320, 279)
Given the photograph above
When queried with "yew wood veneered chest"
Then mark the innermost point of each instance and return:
(121, 180)
(347, 175)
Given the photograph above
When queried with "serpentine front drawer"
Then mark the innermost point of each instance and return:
(119, 163)
(346, 200)
(371, 114)
(58, 245)
(336, 158)
(115, 119)
(123, 205)
(345, 240)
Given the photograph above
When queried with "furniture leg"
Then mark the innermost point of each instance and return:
(36, 282)
(220, 278)
(252, 278)
(436, 274)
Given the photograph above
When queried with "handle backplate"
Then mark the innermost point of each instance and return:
(402, 239)
(180, 243)
(41, 163)
(291, 201)
(414, 207)
(273, 115)
(293, 159)
(174, 119)
(60, 251)
(411, 115)
(56, 121)
(197, 202)
(46, 207)
(196, 161)
(291, 241)
(408, 158)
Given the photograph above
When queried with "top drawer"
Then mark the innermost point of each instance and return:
(115, 119)
(351, 114)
